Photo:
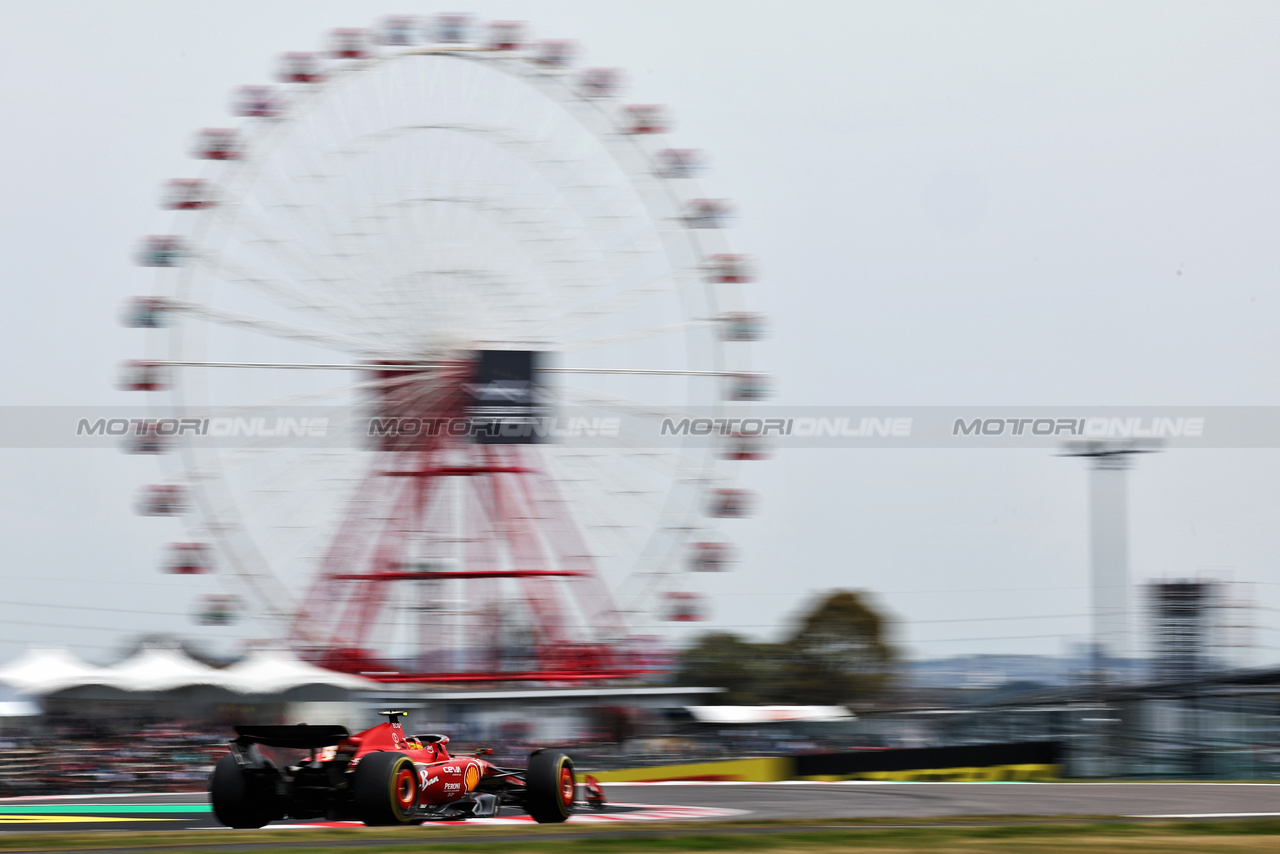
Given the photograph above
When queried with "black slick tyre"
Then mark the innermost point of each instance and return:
(239, 799)
(384, 787)
(549, 787)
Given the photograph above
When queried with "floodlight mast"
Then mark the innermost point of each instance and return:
(1109, 546)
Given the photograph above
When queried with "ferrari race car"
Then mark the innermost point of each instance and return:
(383, 777)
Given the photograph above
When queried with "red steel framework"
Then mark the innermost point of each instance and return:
(510, 504)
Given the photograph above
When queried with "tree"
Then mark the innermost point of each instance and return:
(838, 653)
(745, 669)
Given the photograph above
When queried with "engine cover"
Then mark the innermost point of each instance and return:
(443, 782)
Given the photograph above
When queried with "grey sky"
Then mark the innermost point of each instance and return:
(961, 204)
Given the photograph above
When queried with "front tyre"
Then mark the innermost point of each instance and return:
(549, 785)
(240, 799)
(384, 787)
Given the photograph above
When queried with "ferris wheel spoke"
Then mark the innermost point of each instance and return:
(614, 539)
(272, 328)
(289, 292)
(325, 233)
(680, 465)
(625, 485)
(615, 303)
(506, 138)
(612, 516)
(631, 468)
(280, 191)
(341, 394)
(264, 585)
(674, 465)
(636, 335)
(573, 553)
(361, 194)
(303, 264)
(337, 281)
(312, 223)
(613, 403)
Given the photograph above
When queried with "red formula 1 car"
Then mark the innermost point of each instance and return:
(383, 777)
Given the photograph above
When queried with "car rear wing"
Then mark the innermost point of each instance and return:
(299, 736)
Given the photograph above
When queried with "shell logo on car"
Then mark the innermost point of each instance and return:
(448, 781)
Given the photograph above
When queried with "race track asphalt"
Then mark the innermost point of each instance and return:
(726, 801)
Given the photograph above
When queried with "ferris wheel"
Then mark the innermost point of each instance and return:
(416, 213)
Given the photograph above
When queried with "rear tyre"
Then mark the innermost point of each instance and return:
(549, 787)
(384, 787)
(240, 799)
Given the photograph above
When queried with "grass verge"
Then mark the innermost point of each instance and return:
(972, 836)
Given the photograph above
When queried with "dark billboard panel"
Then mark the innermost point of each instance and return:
(506, 398)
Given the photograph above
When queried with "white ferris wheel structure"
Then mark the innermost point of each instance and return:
(414, 197)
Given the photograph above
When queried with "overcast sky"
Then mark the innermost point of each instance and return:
(951, 203)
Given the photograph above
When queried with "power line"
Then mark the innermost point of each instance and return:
(114, 582)
(103, 608)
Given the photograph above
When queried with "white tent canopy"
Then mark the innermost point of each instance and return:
(40, 672)
(164, 670)
(269, 672)
(768, 714)
(19, 709)
(44, 671)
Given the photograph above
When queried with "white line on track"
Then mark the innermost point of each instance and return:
(1211, 815)
(638, 812)
(1072, 784)
(95, 796)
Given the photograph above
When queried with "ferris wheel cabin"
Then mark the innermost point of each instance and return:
(219, 609)
(684, 607)
(746, 447)
(452, 28)
(163, 500)
(680, 162)
(742, 326)
(732, 503)
(300, 67)
(145, 313)
(645, 118)
(165, 250)
(710, 557)
(554, 53)
(506, 35)
(730, 269)
(189, 559)
(348, 43)
(600, 82)
(137, 375)
(707, 213)
(147, 440)
(261, 102)
(398, 30)
(218, 144)
(191, 194)
(749, 387)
